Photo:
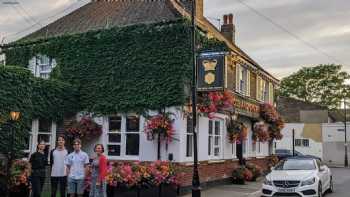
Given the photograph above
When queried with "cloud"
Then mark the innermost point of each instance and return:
(322, 23)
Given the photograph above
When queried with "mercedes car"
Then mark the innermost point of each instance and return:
(298, 176)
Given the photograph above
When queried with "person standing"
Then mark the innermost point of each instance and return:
(76, 163)
(58, 168)
(38, 160)
(99, 171)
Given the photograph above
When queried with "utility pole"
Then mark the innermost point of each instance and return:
(293, 142)
(346, 162)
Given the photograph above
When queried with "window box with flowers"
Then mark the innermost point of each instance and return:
(158, 178)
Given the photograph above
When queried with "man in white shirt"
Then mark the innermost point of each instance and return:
(76, 162)
(58, 168)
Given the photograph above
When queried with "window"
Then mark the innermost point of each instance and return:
(41, 66)
(123, 136)
(302, 142)
(258, 147)
(262, 89)
(243, 80)
(297, 142)
(306, 142)
(189, 138)
(214, 139)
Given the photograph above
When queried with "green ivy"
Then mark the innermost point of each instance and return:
(123, 69)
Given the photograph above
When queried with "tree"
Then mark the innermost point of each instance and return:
(323, 84)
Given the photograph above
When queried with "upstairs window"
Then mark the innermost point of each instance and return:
(262, 89)
(41, 66)
(242, 80)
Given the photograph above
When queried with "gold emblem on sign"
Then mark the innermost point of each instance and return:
(209, 78)
(210, 65)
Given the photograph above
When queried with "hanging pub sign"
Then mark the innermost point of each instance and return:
(210, 71)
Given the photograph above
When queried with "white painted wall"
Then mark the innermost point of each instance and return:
(315, 148)
(334, 132)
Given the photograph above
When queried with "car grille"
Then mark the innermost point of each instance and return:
(286, 194)
(286, 184)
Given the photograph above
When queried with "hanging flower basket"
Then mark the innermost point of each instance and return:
(260, 132)
(276, 123)
(212, 102)
(85, 128)
(161, 125)
(234, 129)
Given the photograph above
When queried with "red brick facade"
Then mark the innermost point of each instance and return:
(210, 171)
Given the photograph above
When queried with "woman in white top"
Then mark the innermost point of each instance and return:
(58, 168)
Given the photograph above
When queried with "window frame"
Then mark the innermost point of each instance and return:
(36, 64)
(242, 80)
(123, 137)
(189, 135)
(211, 138)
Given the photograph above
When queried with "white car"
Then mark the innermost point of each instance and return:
(298, 176)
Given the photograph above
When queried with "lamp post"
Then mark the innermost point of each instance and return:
(196, 190)
(346, 161)
(14, 115)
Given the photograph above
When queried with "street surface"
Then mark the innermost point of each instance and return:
(341, 179)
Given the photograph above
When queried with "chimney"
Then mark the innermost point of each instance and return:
(199, 9)
(228, 29)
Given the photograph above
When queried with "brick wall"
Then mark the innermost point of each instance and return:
(209, 172)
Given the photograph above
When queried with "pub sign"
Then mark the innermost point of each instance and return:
(210, 71)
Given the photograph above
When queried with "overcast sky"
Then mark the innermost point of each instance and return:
(322, 28)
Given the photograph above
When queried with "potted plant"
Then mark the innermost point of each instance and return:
(238, 175)
(19, 178)
(255, 170)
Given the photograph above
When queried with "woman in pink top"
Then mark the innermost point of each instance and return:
(99, 172)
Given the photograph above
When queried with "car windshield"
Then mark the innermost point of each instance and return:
(296, 164)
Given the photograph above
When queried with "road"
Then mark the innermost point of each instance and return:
(341, 177)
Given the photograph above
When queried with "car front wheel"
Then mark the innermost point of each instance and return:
(320, 194)
(331, 189)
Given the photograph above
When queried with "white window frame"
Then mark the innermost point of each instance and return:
(271, 93)
(35, 65)
(122, 143)
(261, 93)
(242, 80)
(211, 146)
(34, 134)
(188, 135)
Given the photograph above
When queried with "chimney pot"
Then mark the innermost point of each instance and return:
(230, 19)
(225, 19)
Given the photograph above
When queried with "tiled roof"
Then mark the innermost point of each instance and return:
(290, 108)
(106, 14)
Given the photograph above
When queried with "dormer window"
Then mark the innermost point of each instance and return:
(41, 66)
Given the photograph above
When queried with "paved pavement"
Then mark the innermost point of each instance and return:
(341, 178)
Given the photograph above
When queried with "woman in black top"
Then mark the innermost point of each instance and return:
(38, 160)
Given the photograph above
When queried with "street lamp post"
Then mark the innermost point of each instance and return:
(346, 162)
(14, 117)
(196, 190)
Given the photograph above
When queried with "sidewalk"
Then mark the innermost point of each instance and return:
(250, 189)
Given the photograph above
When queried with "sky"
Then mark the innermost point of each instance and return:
(281, 35)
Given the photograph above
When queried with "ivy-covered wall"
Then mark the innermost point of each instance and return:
(33, 98)
(132, 68)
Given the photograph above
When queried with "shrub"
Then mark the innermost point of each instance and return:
(255, 170)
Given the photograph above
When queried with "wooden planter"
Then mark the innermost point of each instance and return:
(20, 190)
(160, 191)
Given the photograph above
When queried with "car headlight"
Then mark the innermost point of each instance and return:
(267, 182)
(308, 181)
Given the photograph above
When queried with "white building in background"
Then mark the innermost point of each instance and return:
(318, 131)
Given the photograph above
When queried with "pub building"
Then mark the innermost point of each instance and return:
(231, 72)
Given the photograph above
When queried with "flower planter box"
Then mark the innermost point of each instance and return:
(20, 190)
(168, 190)
(121, 192)
(145, 192)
